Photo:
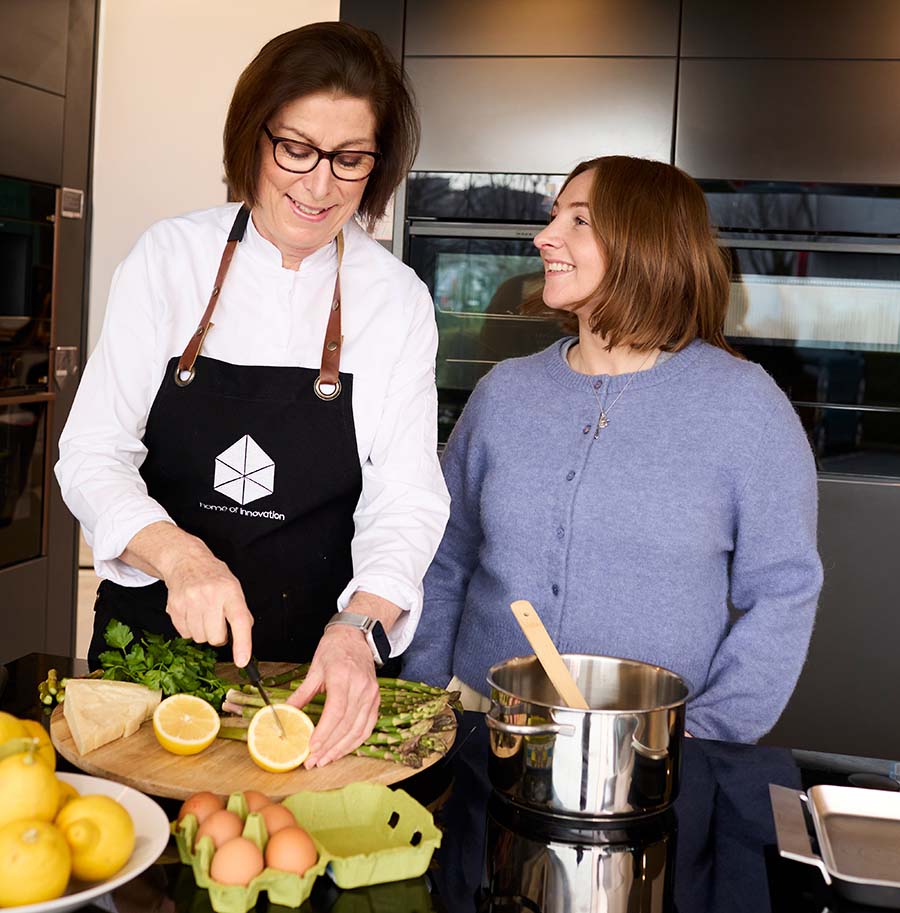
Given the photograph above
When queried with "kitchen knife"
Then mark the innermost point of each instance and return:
(253, 674)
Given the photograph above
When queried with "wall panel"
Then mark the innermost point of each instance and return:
(617, 28)
(540, 115)
(799, 28)
(32, 133)
(789, 120)
(33, 40)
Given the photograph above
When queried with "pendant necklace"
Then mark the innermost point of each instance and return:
(602, 419)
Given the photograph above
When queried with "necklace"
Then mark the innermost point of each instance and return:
(602, 419)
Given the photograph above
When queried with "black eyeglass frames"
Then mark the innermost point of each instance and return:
(301, 158)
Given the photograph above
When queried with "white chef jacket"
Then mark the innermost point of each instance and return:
(266, 315)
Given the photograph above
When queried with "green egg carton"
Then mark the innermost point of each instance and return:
(371, 834)
(285, 888)
(364, 833)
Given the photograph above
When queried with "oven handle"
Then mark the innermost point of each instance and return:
(520, 231)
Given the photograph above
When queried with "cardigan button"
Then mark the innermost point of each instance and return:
(555, 589)
(586, 429)
(570, 475)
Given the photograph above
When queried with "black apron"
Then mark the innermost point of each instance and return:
(261, 463)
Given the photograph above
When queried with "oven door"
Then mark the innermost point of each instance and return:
(479, 275)
(823, 318)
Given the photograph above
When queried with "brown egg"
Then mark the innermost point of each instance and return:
(238, 861)
(222, 826)
(277, 817)
(291, 850)
(201, 806)
(256, 800)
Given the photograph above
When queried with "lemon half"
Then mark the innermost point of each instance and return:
(185, 724)
(272, 751)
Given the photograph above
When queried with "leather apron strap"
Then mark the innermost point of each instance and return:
(327, 385)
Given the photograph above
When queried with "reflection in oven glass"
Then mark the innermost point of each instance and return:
(22, 442)
(26, 283)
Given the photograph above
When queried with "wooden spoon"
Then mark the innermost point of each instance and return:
(547, 654)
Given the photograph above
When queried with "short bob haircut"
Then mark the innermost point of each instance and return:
(323, 57)
(666, 281)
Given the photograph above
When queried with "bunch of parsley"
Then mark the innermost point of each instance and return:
(177, 666)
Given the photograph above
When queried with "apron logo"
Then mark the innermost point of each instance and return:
(244, 472)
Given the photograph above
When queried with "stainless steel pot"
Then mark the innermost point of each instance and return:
(621, 758)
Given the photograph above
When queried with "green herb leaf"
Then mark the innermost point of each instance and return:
(177, 666)
(118, 634)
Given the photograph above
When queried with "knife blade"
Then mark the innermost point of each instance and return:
(253, 674)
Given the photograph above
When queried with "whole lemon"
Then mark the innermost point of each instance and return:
(100, 834)
(45, 747)
(66, 792)
(34, 862)
(10, 727)
(28, 788)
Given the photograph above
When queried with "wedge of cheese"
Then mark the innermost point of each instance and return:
(100, 711)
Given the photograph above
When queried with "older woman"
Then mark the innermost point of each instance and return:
(634, 479)
(253, 442)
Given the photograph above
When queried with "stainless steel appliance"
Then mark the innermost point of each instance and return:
(27, 249)
(622, 758)
(816, 296)
(469, 237)
(857, 835)
(816, 302)
(532, 862)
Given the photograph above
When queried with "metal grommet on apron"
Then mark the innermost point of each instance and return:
(235, 457)
(183, 378)
(322, 389)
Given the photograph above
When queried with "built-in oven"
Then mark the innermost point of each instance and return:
(469, 237)
(815, 297)
(816, 302)
(28, 220)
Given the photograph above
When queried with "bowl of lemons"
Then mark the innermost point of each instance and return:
(66, 838)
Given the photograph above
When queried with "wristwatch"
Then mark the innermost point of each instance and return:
(376, 637)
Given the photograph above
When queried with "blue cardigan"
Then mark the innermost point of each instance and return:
(630, 543)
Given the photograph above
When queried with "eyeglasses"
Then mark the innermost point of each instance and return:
(301, 158)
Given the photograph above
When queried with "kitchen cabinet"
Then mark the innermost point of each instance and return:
(540, 115)
(33, 43)
(32, 132)
(800, 28)
(520, 28)
(847, 698)
(789, 120)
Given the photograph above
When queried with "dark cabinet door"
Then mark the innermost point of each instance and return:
(32, 133)
(795, 29)
(33, 43)
(827, 121)
(613, 28)
(847, 700)
(540, 115)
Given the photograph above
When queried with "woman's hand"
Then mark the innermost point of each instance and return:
(343, 668)
(205, 598)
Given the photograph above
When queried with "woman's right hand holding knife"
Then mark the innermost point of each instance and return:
(205, 599)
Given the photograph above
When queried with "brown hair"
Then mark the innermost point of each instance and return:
(323, 57)
(666, 281)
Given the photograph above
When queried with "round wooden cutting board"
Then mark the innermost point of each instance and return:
(225, 767)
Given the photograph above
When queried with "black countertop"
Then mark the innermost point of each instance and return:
(713, 851)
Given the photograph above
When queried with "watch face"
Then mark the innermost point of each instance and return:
(380, 639)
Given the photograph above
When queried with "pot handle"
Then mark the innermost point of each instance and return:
(790, 827)
(528, 729)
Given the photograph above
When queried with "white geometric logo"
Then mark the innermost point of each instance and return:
(244, 472)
